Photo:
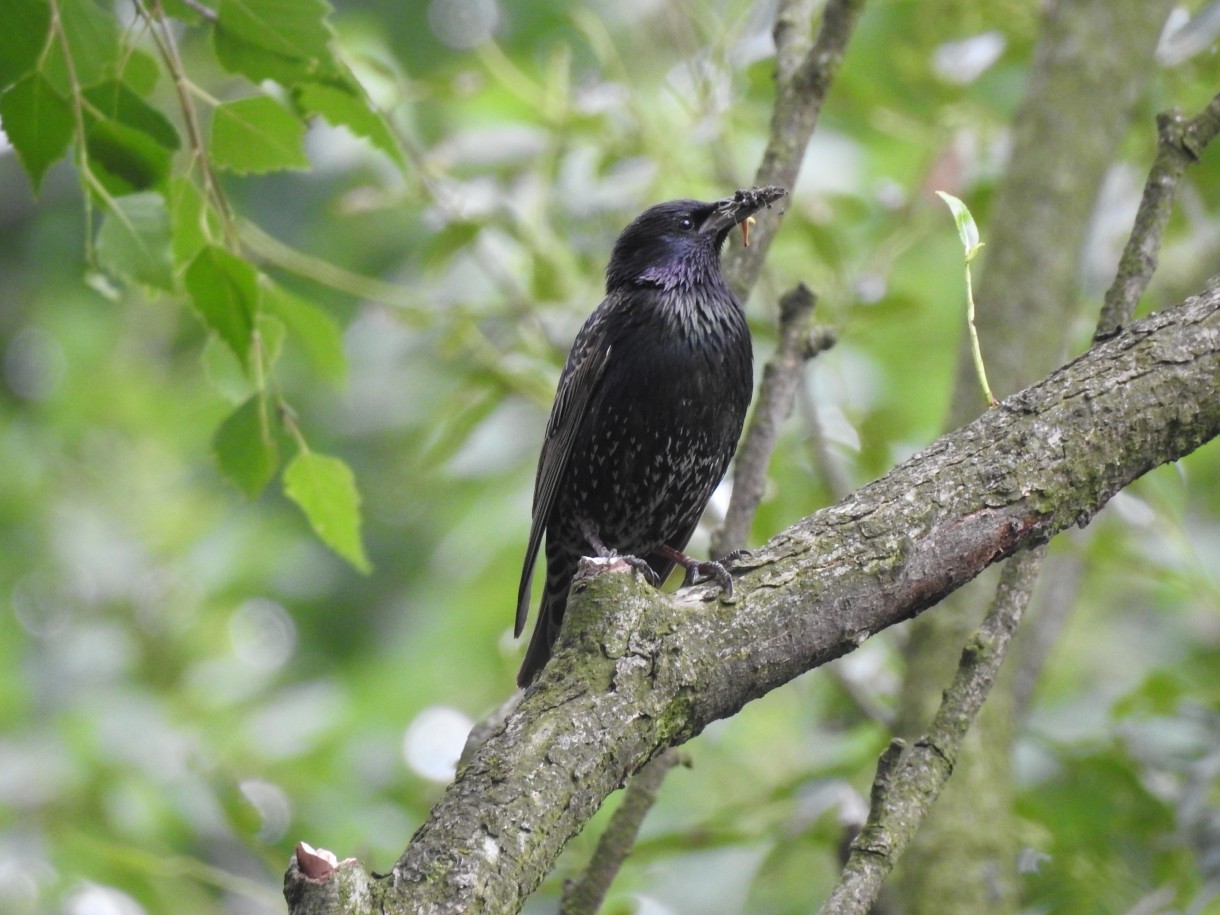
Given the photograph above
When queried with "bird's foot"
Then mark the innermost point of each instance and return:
(640, 565)
(694, 569)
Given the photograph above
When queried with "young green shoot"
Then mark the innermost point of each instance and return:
(968, 232)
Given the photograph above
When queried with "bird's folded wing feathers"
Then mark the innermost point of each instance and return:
(586, 364)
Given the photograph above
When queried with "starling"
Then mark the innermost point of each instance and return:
(649, 409)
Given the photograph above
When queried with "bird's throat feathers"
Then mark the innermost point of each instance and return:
(673, 265)
(683, 273)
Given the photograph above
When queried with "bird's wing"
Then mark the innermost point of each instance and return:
(585, 366)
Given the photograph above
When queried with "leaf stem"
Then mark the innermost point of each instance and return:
(975, 350)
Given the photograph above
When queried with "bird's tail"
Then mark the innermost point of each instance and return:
(546, 630)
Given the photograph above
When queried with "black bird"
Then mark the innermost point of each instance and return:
(648, 411)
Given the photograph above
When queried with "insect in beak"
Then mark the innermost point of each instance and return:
(745, 229)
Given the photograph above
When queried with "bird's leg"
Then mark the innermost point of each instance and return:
(694, 567)
(604, 552)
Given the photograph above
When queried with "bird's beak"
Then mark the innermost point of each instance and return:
(739, 210)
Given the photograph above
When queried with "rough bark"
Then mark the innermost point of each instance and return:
(637, 671)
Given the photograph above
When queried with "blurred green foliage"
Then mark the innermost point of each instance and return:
(191, 682)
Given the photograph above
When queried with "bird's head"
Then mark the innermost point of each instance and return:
(679, 242)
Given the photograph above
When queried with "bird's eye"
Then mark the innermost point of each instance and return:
(686, 223)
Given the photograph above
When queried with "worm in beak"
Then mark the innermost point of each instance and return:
(745, 229)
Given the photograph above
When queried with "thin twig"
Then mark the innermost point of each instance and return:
(163, 37)
(801, 87)
(776, 395)
(907, 786)
(804, 72)
(826, 464)
(584, 896)
(1181, 143)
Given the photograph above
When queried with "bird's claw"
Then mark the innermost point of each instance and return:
(604, 552)
(709, 569)
(695, 568)
(642, 566)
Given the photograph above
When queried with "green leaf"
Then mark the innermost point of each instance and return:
(225, 374)
(92, 35)
(116, 101)
(325, 489)
(25, 33)
(347, 106)
(126, 159)
(193, 222)
(967, 229)
(257, 135)
(38, 121)
(315, 330)
(245, 447)
(292, 28)
(224, 290)
(182, 12)
(134, 241)
(130, 143)
(140, 71)
(256, 63)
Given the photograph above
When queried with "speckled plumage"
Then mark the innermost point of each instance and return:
(649, 407)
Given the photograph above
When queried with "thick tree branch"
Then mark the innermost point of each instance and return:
(637, 671)
(805, 68)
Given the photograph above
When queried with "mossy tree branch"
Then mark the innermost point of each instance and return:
(638, 671)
